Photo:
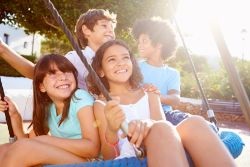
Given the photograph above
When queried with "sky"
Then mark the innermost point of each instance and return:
(233, 16)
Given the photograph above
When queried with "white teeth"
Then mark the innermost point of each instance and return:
(121, 71)
(63, 86)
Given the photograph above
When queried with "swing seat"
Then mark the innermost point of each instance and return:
(124, 162)
(232, 141)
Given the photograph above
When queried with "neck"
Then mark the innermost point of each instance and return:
(93, 46)
(118, 89)
(59, 107)
(155, 61)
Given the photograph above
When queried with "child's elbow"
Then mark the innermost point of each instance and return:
(94, 150)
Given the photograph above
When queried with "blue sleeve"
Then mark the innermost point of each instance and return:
(174, 81)
(81, 99)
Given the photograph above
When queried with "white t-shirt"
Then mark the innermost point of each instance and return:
(81, 69)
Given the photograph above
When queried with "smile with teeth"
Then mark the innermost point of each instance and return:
(63, 86)
(121, 71)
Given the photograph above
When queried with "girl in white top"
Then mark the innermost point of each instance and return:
(119, 72)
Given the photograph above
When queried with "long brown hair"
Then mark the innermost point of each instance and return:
(135, 80)
(41, 100)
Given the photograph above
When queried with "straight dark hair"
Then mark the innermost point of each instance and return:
(41, 100)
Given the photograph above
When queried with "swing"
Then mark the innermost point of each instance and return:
(232, 141)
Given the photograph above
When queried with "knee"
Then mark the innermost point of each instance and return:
(17, 148)
(162, 128)
(194, 121)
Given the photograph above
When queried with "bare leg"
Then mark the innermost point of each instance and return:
(164, 147)
(203, 145)
(28, 152)
(3, 149)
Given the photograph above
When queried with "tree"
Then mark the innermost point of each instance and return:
(35, 17)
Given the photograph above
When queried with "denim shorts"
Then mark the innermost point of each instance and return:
(176, 116)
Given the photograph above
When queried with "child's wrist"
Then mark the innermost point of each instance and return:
(111, 137)
(112, 141)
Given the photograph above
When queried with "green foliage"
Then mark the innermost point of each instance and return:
(54, 44)
(35, 17)
(215, 82)
(7, 70)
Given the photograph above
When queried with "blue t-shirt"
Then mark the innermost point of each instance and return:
(164, 78)
(70, 127)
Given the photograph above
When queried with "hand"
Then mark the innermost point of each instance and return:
(8, 104)
(114, 115)
(138, 130)
(151, 88)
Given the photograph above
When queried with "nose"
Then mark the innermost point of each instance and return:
(61, 76)
(139, 45)
(111, 30)
(120, 62)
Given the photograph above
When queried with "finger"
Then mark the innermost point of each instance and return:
(116, 98)
(146, 87)
(136, 133)
(131, 127)
(111, 105)
(141, 135)
(146, 129)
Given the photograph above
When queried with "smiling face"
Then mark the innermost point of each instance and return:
(57, 84)
(54, 78)
(102, 32)
(145, 46)
(116, 65)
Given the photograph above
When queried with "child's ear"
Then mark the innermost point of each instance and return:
(86, 31)
(101, 74)
(42, 88)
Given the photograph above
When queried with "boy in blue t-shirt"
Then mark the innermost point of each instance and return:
(156, 43)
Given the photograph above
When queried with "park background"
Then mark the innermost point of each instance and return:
(193, 17)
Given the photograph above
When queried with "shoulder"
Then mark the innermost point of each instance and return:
(70, 53)
(82, 96)
(171, 69)
(142, 62)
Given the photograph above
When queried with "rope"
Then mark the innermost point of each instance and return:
(210, 112)
(59, 20)
(7, 116)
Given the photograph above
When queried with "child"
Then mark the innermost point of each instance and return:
(119, 72)
(156, 43)
(93, 28)
(59, 109)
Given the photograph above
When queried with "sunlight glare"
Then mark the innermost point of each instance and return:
(194, 16)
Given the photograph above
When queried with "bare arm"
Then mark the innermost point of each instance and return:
(107, 150)
(16, 119)
(22, 65)
(88, 146)
(172, 98)
(156, 111)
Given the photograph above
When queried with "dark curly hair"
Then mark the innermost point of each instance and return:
(159, 32)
